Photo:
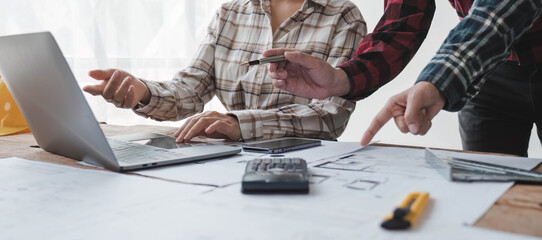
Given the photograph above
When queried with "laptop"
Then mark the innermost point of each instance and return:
(52, 103)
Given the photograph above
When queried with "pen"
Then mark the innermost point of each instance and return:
(407, 212)
(276, 58)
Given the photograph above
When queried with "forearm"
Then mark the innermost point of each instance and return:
(384, 53)
(171, 101)
(477, 45)
(323, 119)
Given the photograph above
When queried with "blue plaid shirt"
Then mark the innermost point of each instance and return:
(484, 39)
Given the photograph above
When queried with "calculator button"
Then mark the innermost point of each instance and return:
(275, 170)
(254, 167)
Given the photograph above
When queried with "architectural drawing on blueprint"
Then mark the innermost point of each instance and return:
(347, 163)
(367, 183)
(368, 161)
(315, 178)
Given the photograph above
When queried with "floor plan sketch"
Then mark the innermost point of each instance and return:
(347, 164)
(318, 178)
(366, 184)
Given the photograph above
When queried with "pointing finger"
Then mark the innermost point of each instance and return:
(378, 122)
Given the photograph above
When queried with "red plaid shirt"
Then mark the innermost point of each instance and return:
(384, 53)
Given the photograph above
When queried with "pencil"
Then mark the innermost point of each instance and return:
(276, 58)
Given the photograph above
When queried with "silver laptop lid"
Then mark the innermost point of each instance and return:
(52, 103)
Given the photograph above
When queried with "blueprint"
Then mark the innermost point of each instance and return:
(221, 172)
(40, 199)
(350, 193)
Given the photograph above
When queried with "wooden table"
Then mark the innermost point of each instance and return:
(519, 210)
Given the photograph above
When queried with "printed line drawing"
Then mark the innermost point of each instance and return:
(367, 183)
(347, 164)
(318, 178)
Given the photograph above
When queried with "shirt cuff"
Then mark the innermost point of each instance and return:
(145, 110)
(358, 82)
(454, 93)
(250, 123)
(351, 82)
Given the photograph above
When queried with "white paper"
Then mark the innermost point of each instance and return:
(227, 214)
(40, 199)
(229, 170)
(392, 172)
(327, 150)
(349, 196)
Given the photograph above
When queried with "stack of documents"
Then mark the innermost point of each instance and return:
(350, 193)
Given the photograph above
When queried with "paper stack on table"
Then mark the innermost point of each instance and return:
(349, 196)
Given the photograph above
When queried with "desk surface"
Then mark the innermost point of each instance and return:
(519, 210)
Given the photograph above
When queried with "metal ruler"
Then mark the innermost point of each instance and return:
(458, 169)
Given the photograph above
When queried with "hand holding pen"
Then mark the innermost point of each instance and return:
(306, 75)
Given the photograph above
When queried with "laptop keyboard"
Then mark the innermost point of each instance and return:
(133, 153)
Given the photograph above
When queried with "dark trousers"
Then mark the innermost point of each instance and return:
(501, 116)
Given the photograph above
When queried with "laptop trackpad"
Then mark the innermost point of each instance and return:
(168, 142)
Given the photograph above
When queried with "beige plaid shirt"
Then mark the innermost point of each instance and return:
(241, 31)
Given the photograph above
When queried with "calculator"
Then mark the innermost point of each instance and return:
(276, 175)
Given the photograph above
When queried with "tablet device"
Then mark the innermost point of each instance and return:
(281, 145)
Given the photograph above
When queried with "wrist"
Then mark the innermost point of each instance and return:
(432, 91)
(237, 136)
(146, 95)
(342, 85)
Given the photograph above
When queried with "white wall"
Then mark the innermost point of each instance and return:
(444, 132)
